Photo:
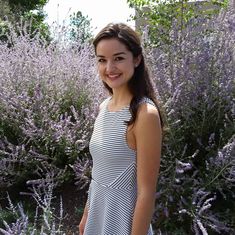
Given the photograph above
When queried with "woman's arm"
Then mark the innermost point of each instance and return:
(148, 136)
(82, 223)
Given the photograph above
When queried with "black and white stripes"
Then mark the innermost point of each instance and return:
(113, 189)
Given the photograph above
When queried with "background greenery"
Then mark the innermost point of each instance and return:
(49, 98)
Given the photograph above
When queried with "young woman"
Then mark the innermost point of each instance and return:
(126, 141)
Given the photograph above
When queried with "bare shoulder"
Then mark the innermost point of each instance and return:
(148, 113)
(148, 122)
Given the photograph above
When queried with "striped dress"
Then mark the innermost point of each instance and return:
(113, 189)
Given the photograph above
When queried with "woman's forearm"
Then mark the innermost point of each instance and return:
(85, 211)
(83, 220)
(143, 214)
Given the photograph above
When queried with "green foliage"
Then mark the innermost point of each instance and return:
(79, 211)
(37, 25)
(4, 9)
(161, 16)
(6, 215)
(8, 212)
(26, 5)
(80, 28)
(13, 13)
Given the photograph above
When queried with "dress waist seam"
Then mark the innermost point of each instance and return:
(108, 186)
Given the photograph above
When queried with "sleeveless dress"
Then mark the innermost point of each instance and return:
(113, 189)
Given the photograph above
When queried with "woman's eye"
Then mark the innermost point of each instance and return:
(119, 58)
(101, 60)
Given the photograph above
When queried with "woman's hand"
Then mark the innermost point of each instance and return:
(82, 223)
(81, 226)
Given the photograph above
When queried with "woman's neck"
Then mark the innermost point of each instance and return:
(121, 97)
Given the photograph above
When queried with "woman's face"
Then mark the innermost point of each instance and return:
(116, 64)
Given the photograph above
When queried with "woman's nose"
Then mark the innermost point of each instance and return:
(110, 66)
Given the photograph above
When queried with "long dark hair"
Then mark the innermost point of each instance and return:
(139, 85)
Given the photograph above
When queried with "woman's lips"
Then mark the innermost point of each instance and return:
(113, 77)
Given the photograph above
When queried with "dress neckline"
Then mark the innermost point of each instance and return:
(116, 111)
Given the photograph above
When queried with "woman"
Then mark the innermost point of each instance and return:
(126, 141)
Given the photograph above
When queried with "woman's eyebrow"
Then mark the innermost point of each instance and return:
(119, 53)
(116, 54)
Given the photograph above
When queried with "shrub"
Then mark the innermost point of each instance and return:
(194, 78)
(45, 219)
(48, 104)
(49, 96)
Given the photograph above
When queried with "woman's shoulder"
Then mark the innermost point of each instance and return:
(145, 102)
(148, 116)
(147, 108)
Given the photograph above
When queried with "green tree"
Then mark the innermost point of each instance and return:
(4, 9)
(161, 15)
(18, 6)
(14, 12)
(80, 28)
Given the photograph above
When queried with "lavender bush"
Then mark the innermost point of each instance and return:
(49, 97)
(47, 107)
(45, 221)
(194, 77)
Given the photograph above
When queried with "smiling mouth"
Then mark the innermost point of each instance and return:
(113, 77)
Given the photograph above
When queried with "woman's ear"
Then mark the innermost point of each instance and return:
(137, 60)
